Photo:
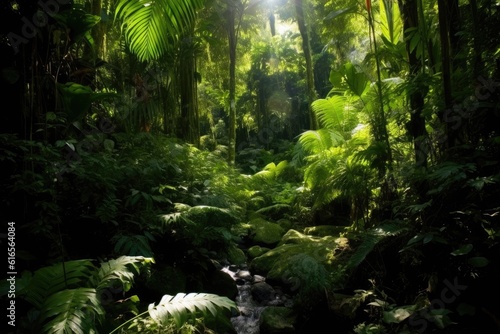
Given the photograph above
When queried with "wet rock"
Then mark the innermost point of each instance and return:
(263, 292)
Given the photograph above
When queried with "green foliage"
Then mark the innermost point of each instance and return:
(151, 27)
(201, 227)
(371, 238)
(176, 309)
(66, 296)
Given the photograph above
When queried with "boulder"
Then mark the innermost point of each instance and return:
(235, 255)
(256, 251)
(263, 232)
(296, 257)
(263, 293)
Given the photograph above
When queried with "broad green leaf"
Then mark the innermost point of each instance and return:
(397, 315)
(391, 22)
(465, 249)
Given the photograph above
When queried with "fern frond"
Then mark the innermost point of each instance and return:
(177, 307)
(120, 270)
(271, 171)
(133, 245)
(332, 113)
(49, 280)
(71, 311)
(320, 140)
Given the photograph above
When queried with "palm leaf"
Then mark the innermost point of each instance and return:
(152, 25)
(71, 311)
(177, 307)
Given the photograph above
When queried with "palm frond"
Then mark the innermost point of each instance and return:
(179, 306)
(71, 311)
(152, 25)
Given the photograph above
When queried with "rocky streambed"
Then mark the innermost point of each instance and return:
(254, 297)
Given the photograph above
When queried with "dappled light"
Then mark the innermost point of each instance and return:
(250, 166)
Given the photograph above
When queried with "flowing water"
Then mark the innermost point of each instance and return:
(247, 322)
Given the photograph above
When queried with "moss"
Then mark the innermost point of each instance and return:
(256, 251)
(324, 230)
(264, 232)
(235, 255)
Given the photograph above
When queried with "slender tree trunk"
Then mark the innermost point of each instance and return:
(97, 33)
(477, 51)
(188, 93)
(231, 30)
(311, 92)
(444, 33)
(409, 9)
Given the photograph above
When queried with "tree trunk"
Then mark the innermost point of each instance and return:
(444, 33)
(231, 30)
(188, 93)
(97, 33)
(311, 92)
(409, 9)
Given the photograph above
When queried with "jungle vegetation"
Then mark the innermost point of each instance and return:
(139, 136)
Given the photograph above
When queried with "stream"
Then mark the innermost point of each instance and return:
(247, 322)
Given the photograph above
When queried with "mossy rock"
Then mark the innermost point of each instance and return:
(277, 320)
(263, 232)
(236, 255)
(256, 251)
(285, 223)
(295, 237)
(324, 230)
(276, 263)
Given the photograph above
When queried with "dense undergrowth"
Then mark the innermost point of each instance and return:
(430, 265)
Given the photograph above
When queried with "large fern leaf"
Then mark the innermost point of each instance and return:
(179, 306)
(71, 311)
(320, 140)
(119, 271)
(49, 280)
(152, 25)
